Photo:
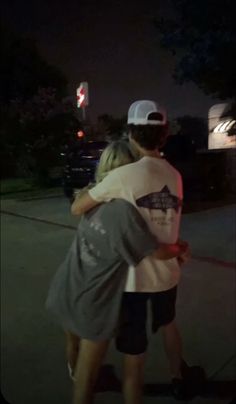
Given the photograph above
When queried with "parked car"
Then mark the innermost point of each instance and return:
(80, 165)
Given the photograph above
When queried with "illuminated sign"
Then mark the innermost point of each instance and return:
(82, 95)
(222, 127)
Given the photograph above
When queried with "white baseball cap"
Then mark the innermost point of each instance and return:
(145, 112)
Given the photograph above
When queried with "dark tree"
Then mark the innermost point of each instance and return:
(193, 126)
(33, 133)
(36, 117)
(110, 127)
(23, 70)
(202, 36)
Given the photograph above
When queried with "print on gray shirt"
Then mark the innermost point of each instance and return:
(86, 292)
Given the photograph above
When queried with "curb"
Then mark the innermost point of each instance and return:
(34, 198)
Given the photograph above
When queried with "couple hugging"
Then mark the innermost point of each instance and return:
(126, 253)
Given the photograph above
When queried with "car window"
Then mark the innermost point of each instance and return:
(90, 150)
(93, 150)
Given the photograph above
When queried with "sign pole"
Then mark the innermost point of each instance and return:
(84, 113)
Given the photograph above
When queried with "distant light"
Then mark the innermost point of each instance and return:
(80, 134)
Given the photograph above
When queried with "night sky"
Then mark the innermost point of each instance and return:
(111, 44)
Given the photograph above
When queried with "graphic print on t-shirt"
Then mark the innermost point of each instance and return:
(162, 200)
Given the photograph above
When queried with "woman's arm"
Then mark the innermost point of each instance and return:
(83, 204)
(109, 188)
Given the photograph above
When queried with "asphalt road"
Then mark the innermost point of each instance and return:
(35, 238)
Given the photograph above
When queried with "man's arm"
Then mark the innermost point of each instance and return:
(83, 204)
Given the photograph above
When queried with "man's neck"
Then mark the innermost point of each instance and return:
(144, 152)
(150, 153)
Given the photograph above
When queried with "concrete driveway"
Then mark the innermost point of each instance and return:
(35, 238)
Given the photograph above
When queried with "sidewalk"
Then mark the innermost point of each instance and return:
(206, 317)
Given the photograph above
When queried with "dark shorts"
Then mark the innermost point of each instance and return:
(132, 334)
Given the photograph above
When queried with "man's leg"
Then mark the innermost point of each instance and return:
(163, 316)
(89, 362)
(173, 348)
(131, 340)
(133, 378)
(163, 307)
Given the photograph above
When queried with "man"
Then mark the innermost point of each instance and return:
(154, 187)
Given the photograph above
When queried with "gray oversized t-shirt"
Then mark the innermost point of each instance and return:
(86, 292)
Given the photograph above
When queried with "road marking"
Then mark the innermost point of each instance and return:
(211, 260)
(215, 261)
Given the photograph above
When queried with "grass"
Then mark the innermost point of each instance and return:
(12, 185)
(23, 188)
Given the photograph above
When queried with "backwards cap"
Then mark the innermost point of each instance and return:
(145, 112)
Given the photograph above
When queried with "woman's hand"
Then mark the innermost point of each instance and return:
(82, 204)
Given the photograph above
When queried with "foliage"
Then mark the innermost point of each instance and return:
(195, 128)
(202, 36)
(37, 119)
(14, 185)
(23, 70)
(110, 127)
(35, 132)
(192, 125)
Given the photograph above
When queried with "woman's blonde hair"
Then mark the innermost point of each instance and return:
(116, 154)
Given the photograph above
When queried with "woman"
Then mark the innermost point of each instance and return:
(116, 154)
(86, 292)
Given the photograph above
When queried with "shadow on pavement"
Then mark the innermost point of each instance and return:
(108, 381)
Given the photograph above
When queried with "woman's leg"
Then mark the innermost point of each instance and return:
(90, 358)
(72, 350)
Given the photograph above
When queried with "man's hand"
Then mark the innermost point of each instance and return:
(83, 204)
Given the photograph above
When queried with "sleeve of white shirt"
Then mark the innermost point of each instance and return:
(109, 188)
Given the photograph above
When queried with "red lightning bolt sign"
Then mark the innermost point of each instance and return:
(80, 97)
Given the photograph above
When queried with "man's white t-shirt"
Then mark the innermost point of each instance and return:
(154, 187)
